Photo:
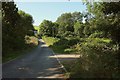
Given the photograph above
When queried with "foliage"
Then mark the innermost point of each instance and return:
(47, 28)
(67, 34)
(31, 42)
(112, 7)
(25, 23)
(99, 53)
(50, 40)
(77, 17)
(96, 40)
(98, 59)
(15, 26)
(97, 35)
(78, 29)
(106, 17)
(8, 24)
(65, 22)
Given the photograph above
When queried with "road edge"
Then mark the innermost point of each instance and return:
(57, 58)
(16, 58)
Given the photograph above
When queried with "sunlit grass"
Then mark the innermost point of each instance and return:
(50, 40)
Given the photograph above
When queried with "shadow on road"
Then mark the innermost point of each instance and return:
(36, 64)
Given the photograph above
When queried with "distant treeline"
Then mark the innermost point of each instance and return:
(100, 20)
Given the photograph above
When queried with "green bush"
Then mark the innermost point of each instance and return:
(50, 40)
(68, 34)
(72, 42)
(69, 50)
(98, 59)
(97, 35)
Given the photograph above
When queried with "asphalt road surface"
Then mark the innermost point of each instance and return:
(36, 64)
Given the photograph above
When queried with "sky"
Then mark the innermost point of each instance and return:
(49, 10)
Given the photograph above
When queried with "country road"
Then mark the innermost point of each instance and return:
(36, 64)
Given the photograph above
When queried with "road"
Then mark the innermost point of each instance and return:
(36, 64)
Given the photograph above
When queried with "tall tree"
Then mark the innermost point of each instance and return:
(25, 23)
(78, 28)
(112, 10)
(15, 26)
(9, 22)
(46, 28)
(65, 22)
(77, 16)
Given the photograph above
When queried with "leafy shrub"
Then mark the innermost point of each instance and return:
(97, 35)
(68, 34)
(50, 40)
(98, 59)
(69, 50)
(72, 42)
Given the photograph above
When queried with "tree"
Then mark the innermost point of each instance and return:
(65, 22)
(46, 28)
(55, 29)
(15, 26)
(9, 13)
(101, 58)
(107, 19)
(112, 10)
(112, 7)
(9, 23)
(26, 23)
(106, 16)
(77, 16)
(78, 28)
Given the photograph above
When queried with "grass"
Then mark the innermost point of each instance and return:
(50, 40)
(94, 59)
(58, 49)
(67, 64)
(31, 43)
(60, 46)
(15, 54)
(66, 45)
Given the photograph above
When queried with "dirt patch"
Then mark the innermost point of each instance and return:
(66, 57)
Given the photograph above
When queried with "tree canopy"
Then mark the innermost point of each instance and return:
(15, 26)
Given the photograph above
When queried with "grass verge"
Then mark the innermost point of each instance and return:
(68, 66)
(15, 54)
(51, 42)
(60, 46)
(31, 43)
